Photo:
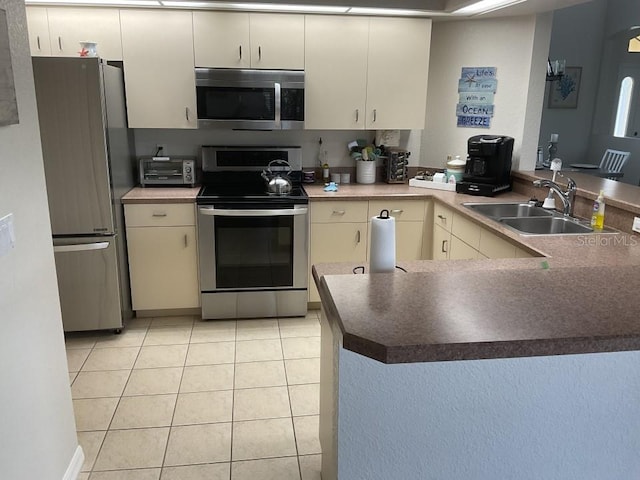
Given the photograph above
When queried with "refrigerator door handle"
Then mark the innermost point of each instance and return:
(81, 247)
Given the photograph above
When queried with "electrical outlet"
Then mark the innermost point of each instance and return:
(636, 224)
(161, 149)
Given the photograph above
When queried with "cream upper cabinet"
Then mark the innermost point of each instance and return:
(38, 26)
(159, 73)
(277, 41)
(248, 40)
(335, 72)
(397, 73)
(366, 73)
(70, 26)
(221, 39)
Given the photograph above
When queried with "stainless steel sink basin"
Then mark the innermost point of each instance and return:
(501, 210)
(528, 219)
(546, 225)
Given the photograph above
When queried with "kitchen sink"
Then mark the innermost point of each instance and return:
(500, 210)
(551, 225)
(529, 219)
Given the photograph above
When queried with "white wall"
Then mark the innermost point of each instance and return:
(559, 417)
(569, 42)
(37, 428)
(514, 45)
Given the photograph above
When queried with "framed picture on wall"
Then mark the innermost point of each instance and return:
(564, 91)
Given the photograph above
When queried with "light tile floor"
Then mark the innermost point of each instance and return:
(181, 398)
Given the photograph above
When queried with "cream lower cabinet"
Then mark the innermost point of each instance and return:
(163, 259)
(456, 237)
(338, 234)
(409, 220)
(159, 73)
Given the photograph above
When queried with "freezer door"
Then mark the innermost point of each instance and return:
(71, 113)
(87, 270)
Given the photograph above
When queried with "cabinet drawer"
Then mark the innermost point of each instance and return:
(466, 230)
(402, 210)
(442, 216)
(160, 215)
(338, 212)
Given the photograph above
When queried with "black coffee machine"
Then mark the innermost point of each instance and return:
(488, 168)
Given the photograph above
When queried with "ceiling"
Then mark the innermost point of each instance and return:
(437, 9)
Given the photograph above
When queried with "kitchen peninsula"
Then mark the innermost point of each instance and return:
(493, 368)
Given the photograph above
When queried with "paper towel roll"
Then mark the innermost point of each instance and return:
(383, 243)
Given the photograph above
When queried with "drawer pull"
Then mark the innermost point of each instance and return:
(240, 51)
(444, 246)
(186, 241)
(358, 237)
(38, 40)
(60, 43)
(397, 211)
(159, 214)
(339, 212)
(442, 217)
(357, 115)
(259, 52)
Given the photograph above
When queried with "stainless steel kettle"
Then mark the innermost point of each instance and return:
(277, 183)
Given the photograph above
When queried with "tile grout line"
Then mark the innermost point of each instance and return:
(233, 396)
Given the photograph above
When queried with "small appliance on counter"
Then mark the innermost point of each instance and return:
(396, 163)
(167, 171)
(488, 168)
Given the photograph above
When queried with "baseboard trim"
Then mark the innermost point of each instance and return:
(169, 312)
(73, 470)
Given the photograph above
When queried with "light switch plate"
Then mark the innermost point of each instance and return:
(7, 235)
(636, 224)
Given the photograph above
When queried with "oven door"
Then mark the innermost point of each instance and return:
(253, 249)
(253, 262)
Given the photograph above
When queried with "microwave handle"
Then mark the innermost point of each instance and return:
(278, 104)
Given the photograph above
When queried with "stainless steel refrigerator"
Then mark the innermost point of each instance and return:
(88, 166)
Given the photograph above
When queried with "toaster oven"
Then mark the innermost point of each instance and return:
(167, 171)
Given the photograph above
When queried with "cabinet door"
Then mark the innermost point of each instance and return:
(336, 242)
(159, 74)
(397, 73)
(461, 251)
(221, 39)
(277, 41)
(441, 243)
(335, 72)
(409, 237)
(493, 246)
(163, 265)
(70, 26)
(38, 26)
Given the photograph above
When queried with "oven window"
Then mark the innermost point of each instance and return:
(229, 103)
(254, 252)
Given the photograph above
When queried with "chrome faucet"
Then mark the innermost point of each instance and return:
(567, 197)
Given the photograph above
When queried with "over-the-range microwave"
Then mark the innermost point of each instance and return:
(250, 99)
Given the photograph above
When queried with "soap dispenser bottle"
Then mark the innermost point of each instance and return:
(597, 217)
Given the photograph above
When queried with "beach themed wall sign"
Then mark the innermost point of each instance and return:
(476, 89)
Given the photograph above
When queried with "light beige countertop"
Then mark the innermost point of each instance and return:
(161, 195)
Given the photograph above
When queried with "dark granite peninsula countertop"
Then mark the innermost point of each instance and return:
(484, 309)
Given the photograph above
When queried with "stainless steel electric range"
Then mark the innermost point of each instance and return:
(253, 246)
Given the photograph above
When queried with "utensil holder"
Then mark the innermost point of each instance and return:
(365, 171)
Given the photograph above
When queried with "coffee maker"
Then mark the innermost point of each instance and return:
(488, 168)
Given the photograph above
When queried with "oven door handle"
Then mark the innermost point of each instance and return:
(252, 213)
